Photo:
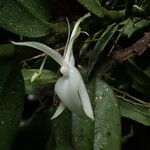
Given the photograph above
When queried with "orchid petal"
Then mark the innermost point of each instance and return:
(68, 38)
(66, 89)
(69, 52)
(75, 33)
(86, 33)
(49, 51)
(59, 110)
(72, 61)
(85, 100)
(78, 23)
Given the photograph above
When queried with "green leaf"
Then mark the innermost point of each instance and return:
(16, 18)
(28, 18)
(131, 26)
(100, 45)
(107, 128)
(139, 112)
(82, 131)
(137, 74)
(46, 77)
(11, 101)
(38, 8)
(95, 7)
(62, 131)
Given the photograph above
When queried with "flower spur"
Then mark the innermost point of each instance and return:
(70, 88)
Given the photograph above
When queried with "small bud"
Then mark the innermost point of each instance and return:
(35, 76)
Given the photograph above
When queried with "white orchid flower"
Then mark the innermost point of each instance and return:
(70, 87)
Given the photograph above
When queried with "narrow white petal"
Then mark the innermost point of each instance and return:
(78, 23)
(85, 100)
(68, 38)
(49, 51)
(84, 32)
(75, 33)
(72, 61)
(59, 110)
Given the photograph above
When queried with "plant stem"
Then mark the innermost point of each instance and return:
(125, 94)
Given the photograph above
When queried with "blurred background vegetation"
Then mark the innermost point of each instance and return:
(114, 62)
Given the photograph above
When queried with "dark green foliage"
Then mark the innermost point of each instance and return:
(107, 129)
(16, 18)
(95, 7)
(62, 130)
(118, 85)
(137, 111)
(19, 17)
(11, 101)
(100, 45)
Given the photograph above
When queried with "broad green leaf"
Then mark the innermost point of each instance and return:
(28, 18)
(135, 111)
(38, 8)
(46, 77)
(82, 131)
(17, 19)
(107, 128)
(100, 45)
(137, 74)
(11, 101)
(62, 131)
(131, 26)
(95, 7)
